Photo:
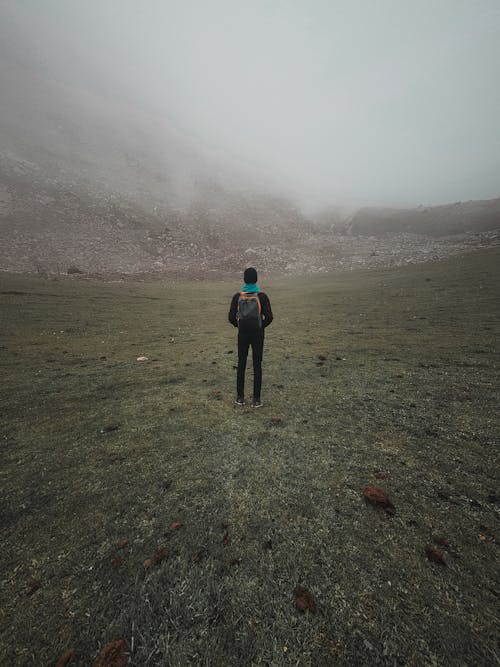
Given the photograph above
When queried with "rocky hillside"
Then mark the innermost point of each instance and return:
(457, 218)
(55, 221)
(89, 183)
(92, 182)
(48, 225)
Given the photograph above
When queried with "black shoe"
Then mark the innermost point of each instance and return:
(257, 403)
(240, 401)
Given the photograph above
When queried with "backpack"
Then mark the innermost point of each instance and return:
(248, 313)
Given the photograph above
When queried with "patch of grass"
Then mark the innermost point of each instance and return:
(381, 377)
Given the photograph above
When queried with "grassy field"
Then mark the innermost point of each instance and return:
(98, 449)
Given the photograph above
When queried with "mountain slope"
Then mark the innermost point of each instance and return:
(457, 218)
(94, 181)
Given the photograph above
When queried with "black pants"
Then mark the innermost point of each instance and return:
(245, 340)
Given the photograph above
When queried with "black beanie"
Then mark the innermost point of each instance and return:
(250, 275)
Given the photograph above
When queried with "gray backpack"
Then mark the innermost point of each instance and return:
(249, 309)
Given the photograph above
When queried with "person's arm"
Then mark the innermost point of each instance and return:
(233, 310)
(266, 312)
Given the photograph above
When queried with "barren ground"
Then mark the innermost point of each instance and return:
(385, 377)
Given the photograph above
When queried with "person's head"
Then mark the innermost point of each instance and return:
(250, 276)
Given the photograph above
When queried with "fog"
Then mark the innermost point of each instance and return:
(391, 102)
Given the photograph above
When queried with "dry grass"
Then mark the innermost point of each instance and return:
(97, 447)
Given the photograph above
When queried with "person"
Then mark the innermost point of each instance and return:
(251, 313)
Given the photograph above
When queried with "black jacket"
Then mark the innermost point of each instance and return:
(265, 309)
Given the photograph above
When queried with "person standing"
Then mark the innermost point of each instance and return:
(251, 313)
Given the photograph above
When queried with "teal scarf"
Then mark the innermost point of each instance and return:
(252, 288)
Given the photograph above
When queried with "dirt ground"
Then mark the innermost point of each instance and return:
(138, 502)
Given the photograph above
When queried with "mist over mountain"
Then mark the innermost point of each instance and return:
(92, 183)
(159, 141)
(92, 180)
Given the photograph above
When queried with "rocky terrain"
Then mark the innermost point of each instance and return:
(435, 221)
(91, 184)
(50, 223)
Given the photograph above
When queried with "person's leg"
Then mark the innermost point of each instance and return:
(243, 345)
(257, 352)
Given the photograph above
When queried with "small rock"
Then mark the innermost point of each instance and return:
(33, 586)
(73, 270)
(176, 525)
(110, 428)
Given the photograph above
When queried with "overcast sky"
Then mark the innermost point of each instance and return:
(373, 101)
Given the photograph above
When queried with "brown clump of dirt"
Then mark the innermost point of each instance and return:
(304, 601)
(160, 555)
(65, 658)
(378, 497)
(113, 654)
(434, 555)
